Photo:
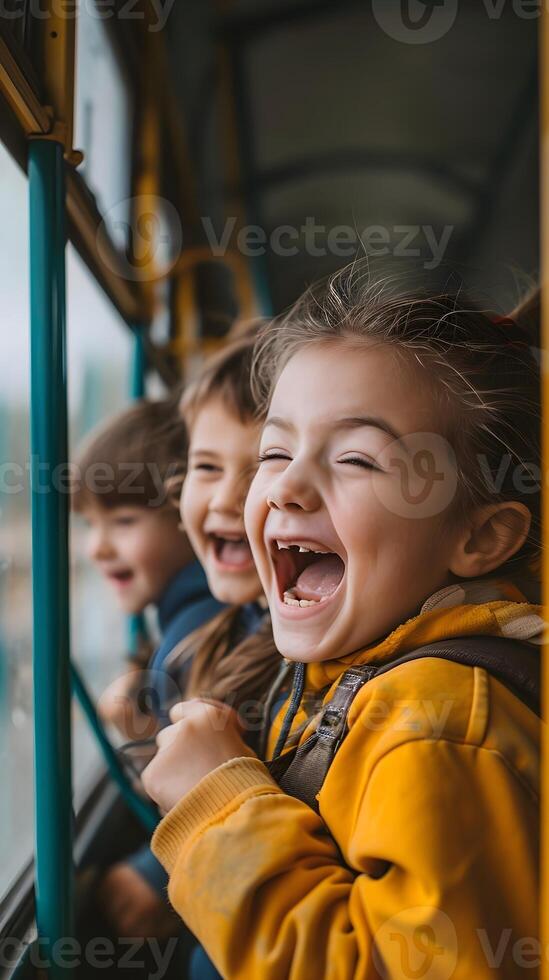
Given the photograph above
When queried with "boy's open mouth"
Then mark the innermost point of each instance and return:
(232, 551)
(307, 574)
(121, 576)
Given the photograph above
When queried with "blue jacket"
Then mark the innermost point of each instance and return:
(185, 604)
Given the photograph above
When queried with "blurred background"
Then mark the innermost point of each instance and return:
(233, 153)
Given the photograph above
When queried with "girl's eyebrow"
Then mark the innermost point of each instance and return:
(203, 452)
(357, 422)
(280, 423)
(353, 422)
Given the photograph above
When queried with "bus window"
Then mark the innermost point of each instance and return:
(103, 120)
(99, 349)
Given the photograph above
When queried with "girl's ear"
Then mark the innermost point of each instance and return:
(494, 534)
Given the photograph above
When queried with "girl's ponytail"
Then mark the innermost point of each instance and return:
(239, 673)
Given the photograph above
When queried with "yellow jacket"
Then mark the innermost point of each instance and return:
(438, 777)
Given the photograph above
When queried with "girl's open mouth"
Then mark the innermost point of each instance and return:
(306, 574)
(232, 553)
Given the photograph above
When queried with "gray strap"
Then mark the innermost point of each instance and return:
(276, 686)
(302, 771)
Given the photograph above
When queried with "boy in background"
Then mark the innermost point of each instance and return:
(135, 540)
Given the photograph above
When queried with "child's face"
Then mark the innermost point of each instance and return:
(381, 529)
(222, 461)
(137, 549)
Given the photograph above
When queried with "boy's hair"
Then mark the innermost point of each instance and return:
(482, 369)
(227, 375)
(131, 459)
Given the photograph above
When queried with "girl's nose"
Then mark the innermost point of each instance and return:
(293, 489)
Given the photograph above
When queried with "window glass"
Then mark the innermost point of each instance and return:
(100, 348)
(103, 121)
(99, 359)
(16, 743)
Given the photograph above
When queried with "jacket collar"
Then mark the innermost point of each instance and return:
(187, 585)
(495, 607)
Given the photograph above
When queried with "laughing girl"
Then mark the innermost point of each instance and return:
(396, 507)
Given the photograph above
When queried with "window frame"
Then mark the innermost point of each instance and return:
(24, 112)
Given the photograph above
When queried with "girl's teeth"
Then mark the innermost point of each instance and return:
(291, 600)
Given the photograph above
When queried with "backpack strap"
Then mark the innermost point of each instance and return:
(301, 772)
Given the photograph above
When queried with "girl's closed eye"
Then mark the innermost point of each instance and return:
(206, 467)
(273, 454)
(361, 461)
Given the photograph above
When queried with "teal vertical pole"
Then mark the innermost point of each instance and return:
(136, 624)
(138, 366)
(50, 556)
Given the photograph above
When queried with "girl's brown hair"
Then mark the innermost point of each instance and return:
(222, 667)
(131, 459)
(482, 369)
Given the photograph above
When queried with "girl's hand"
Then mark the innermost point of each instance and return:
(118, 705)
(203, 736)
